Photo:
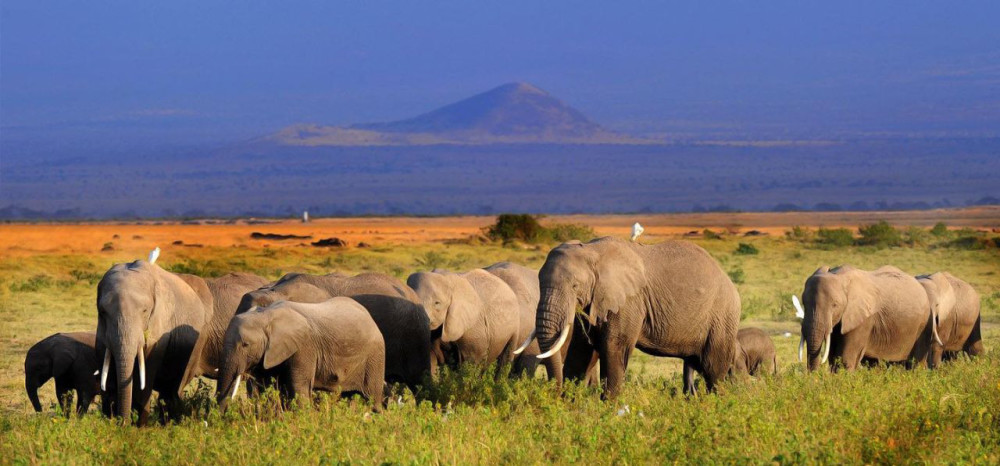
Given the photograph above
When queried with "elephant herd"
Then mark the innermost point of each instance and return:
(580, 316)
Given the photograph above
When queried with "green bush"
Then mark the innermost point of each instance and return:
(524, 227)
(509, 227)
(208, 268)
(798, 233)
(916, 236)
(939, 229)
(35, 283)
(737, 275)
(835, 237)
(880, 235)
(745, 249)
(709, 234)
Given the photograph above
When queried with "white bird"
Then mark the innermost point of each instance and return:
(799, 312)
(787, 334)
(153, 255)
(305, 216)
(636, 231)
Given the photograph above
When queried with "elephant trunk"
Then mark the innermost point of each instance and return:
(227, 385)
(818, 345)
(125, 351)
(555, 314)
(31, 385)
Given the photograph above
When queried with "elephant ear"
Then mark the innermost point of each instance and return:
(619, 274)
(464, 310)
(860, 305)
(283, 337)
(63, 357)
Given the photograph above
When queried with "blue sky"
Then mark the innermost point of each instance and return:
(119, 72)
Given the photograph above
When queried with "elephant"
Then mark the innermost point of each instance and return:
(148, 321)
(227, 292)
(524, 283)
(754, 353)
(393, 306)
(331, 346)
(955, 306)
(70, 359)
(882, 315)
(669, 299)
(476, 311)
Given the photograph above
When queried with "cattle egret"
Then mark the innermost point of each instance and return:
(636, 231)
(799, 312)
(153, 255)
(305, 216)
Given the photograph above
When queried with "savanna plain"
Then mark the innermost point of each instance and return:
(49, 273)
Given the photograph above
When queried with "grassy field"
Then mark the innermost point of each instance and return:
(880, 415)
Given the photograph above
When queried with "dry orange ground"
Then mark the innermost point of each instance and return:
(32, 238)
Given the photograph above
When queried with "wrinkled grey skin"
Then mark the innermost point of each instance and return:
(140, 304)
(882, 315)
(393, 306)
(524, 283)
(69, 359)
(332, 346)
(476, 311)
(755, 354)
(227, 291)
(670, 299)
(955, 306)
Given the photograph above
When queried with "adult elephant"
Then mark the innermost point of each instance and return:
(227, 291)
(670, 299)
(955, 305)
(882, 315)
(148, 321)
(332, 346)
(476, 311)
(393, 306)
(524, 283)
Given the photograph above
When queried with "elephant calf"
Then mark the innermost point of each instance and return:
(69, 358)
(755, 354)
(331, 346)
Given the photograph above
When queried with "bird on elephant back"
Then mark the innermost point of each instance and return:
(669, 299)
(854, 316)
(151, 324)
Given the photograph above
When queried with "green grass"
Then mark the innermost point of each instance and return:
(882, 415)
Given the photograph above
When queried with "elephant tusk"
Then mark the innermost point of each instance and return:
(236, 387)
(554, 349)
(524, 345)
(142, 367)
(826, 352)
(802, 343)
(104, 370)
(937, 337)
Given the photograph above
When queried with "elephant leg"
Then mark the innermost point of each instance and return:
(580, 358)
(689, 370)
(615, 347)
(853, 351)
(84, 398)
(974, 344)
(64, 394)
(934, 356)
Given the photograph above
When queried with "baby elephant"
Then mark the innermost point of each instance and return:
(331, 346)
(69, 358)
(754, 353)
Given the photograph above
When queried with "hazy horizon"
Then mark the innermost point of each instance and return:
(121, 74)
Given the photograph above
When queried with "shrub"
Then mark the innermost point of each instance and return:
(509, 227)
(209, 268)
(798, 233)
(87, 276)
(916, 236)
(709, 234)
(35, 283)
(879, 234)
(524, 227)
(737, 275)
(745, 249)
(835, 237)
(939, 229)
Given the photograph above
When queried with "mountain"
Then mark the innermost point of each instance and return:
(511, 113)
